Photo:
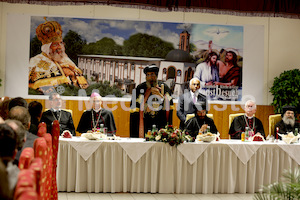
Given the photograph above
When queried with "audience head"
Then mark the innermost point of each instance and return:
(288, 115)
(194, 84)
(18, 101)
(4, 108)
(55, 100)
(21, 114)
(20, 131)
(250, 108)
(97, 101)
(35, 109)
(8, 143)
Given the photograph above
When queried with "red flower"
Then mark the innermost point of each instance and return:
(174, 135)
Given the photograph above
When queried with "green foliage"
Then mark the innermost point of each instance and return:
(288, 189)
(145, 45)
(74, 45)
(193, 47)
(104, 89)
(70, 90)
(105, 46)
(286, 90)
(35, 46)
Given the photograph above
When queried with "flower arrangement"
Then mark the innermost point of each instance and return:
(170, 135)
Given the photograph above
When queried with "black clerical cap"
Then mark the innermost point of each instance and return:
(200, 106)
(151, 68)
(288, 107)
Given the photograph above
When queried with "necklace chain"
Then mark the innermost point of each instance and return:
(55, 116)
(251, 129)
(95, 124)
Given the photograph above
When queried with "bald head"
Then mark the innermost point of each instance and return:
(21, 114)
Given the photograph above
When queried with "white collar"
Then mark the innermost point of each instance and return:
(97, 110)
(54, 110)
(194, 93)
(249, 117)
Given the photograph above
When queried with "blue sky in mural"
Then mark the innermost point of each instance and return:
(92, 30)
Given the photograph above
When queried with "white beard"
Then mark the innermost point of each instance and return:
(58, 57)
(289, 121)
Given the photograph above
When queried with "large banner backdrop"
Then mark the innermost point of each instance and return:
(74, 56)
(69, 55)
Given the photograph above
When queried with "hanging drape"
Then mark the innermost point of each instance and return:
(264, 8)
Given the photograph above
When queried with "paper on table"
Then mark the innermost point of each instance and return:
(131, 149)
(192, 151)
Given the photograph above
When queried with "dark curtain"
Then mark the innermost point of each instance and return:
(270, 8)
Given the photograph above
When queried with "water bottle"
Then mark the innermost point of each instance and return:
(247, 134)
(102, 128)
(208, 129)
(153, 128)
(296, 131)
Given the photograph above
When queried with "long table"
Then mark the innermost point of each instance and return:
(133, 165)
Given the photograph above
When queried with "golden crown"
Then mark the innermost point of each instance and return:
(49, 31)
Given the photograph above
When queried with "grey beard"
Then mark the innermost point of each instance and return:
(289, 121)
(149, 85)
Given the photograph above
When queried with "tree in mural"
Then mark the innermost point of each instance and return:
(35, 47)
(105, 46)
(146, 46)
(74, 45)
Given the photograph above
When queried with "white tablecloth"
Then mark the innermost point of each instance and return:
(132, 165)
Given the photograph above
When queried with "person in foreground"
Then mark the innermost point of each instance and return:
(21, 114)
(91, 119)
(151, 105)
(240, 123)
(56, 113)
(8, 150)
(200, 122)
(186, 101)
(288, 122)
(35, 109)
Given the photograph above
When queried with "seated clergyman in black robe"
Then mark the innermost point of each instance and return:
(288, 122)
(56, 113)
(200, 123)
(240, 123)
(150, 105)
(93, 118)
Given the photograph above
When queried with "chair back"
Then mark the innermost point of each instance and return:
(49, 165)
(42, 129)
(210, 115)
(37, 167)
(41, 151)
(232, 116)
(273, 119)
(26, 185)
(26, 157)
(55, 132)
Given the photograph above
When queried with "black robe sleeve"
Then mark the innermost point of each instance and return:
(85, 122)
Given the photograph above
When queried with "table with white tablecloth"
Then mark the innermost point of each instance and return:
(133, 165)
